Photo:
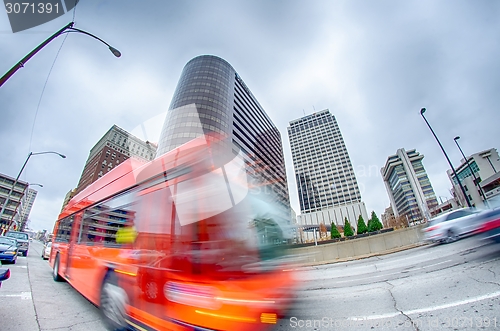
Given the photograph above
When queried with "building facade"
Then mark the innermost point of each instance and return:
(475, 174)
(12, 207)
(212, 98)
(26, 205)
(114, 147)
(326, 183)
(323, 170)
(408, 186)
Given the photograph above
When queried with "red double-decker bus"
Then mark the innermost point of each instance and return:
(183, 242)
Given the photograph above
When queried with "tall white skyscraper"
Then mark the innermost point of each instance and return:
(323, 170)
(326, 183)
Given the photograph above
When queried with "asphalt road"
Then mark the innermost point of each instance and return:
(437, 287)
(31, 301)
(434, 287)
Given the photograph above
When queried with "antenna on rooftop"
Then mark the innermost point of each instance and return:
(304, 112)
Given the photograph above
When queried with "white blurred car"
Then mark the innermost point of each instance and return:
(452, 225)
(46, 250)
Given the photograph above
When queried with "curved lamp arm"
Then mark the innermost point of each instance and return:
(68, 28)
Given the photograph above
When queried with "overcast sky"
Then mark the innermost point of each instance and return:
(374, 64)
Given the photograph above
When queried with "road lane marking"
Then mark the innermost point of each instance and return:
(22, 295)
(427, 266)
(427, 309)
(393, 273)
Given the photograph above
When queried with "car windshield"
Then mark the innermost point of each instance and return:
(18, 235)
(7, 241)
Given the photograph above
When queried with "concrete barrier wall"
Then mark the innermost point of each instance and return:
(366, 246)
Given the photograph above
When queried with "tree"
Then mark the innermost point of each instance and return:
(397, 222)
(347, 228)
(322, 230)
(335, 231)
(361, 225)
(374, 223)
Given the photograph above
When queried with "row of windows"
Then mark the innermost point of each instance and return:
(312, 117)
(100, 223)
(251, 103)
(207, 69)
(218, 85)
(275, 164)
(212, 83)
(203, 92)
(200, 98)
(248, 116)
(269, 154)
(316, 129)
(179, 119)
(317, 141)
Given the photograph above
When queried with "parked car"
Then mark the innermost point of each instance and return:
(8, 250)
(22, 238)
(46, 250)
(449, 227)
(4, 274)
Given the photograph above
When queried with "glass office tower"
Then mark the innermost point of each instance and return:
(212, 97)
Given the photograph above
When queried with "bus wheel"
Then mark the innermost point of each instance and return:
(55, 271)
(152, 290)
(113, 303)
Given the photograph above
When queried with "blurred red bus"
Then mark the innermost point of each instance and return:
(179, 243)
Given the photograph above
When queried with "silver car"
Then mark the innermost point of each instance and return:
(452, 225)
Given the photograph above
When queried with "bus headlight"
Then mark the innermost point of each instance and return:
(191, 295)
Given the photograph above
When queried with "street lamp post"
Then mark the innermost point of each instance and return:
(66, 29)
(422, 111)
(6, 202)
(472, 172)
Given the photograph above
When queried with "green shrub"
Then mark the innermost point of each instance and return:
(374, 224)
(334, 231)
(361, 225)
(348, 229)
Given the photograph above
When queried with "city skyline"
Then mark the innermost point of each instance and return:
(373, 64)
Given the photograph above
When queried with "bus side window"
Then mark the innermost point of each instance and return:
(110, 224)
(88, 235)
(64, 230)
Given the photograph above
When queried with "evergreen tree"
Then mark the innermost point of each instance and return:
(374, 223)
(334, 231)
(348, 229)
(361, 225)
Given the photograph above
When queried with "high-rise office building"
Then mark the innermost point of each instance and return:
(114, 147)
(212, 98)
(327, 186)
(12, 207)
(26, 205)
(409, 189)
(484, 165)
